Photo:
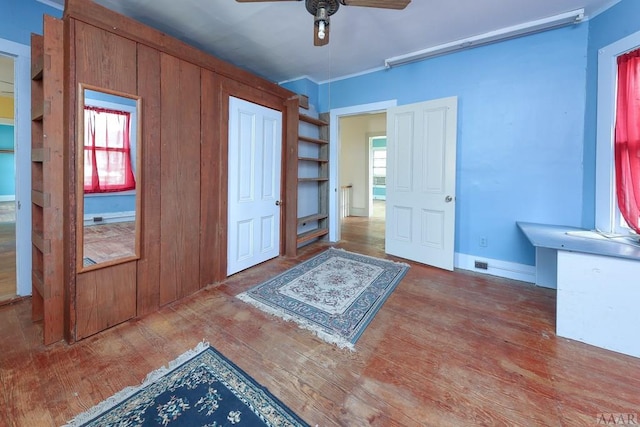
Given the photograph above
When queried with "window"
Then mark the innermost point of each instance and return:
(379, 166)
(608, 217)
(627, 138)
(107, 150)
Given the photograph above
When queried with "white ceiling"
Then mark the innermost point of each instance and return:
(275, 39)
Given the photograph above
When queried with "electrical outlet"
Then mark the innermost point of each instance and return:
(482, 265)
(484, 242)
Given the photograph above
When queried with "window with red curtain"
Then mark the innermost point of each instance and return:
(627, 138)
(107, 151)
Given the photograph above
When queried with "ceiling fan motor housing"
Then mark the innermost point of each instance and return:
(330, 6)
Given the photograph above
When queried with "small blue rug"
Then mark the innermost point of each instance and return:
(335, 294)
(200, 388)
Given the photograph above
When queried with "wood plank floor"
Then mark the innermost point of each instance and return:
(446, 349)
(7, 260)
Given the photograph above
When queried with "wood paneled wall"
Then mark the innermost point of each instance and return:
(179, 178)
(184, 161)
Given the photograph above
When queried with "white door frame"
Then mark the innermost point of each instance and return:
(334, 151)
(22, 132)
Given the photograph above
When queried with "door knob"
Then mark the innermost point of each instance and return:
(278, 202)
(448, 199)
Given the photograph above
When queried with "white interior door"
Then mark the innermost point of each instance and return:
(255, 145)
(421, 181)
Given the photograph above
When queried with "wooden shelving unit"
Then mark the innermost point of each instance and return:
(316, 225)
(47, 181)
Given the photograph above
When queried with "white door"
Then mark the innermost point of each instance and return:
(255, 145)
(421, 181)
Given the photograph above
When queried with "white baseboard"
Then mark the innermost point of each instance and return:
(358, 211)
(8, 198)
(110, 218)
(508, 270)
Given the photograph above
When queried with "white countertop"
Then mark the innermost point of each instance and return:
(576, 239)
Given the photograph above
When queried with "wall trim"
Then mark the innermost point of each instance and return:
(110, 218)
(358, 212)
(508, 270)
(52, 4)
(7, 198)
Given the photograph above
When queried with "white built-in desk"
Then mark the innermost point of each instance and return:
(598, 283)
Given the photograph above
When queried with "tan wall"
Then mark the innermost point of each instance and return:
(6, 107)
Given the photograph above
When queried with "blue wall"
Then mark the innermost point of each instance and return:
(7, 162)
(614, 24)
(109, 203)
(20, 18)
(521, 106)
(526, 121)
(304, 86)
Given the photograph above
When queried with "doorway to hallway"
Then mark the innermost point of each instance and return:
(8, 280)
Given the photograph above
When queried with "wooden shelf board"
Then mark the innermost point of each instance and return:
(313, 140)
(40, 155)
(41, 243)
(312, 179)
(37, 56)
(37, 282)
(313, 159)
(314, 217)
(37, 114)
(312, 120)
(313, 234)
(40, 199)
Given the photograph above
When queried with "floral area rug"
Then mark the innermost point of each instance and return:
(200, 388)
(335, 294)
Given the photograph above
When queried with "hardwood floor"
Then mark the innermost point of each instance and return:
(105, 242)
(7, 261)
(446, 349)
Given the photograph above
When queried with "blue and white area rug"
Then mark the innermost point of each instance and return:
(335, 294)
(200, 388)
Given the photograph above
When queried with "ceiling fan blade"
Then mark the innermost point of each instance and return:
(382, 4)
(261, 1)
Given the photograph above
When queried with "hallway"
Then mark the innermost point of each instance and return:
(7, 251)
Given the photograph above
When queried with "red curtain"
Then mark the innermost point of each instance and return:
(627, 138)
(107, 151)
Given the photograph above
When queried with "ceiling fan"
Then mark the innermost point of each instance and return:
(323, 9)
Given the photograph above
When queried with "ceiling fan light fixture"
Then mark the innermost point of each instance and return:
(323, 9)
(322, 21)
(321, 27)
